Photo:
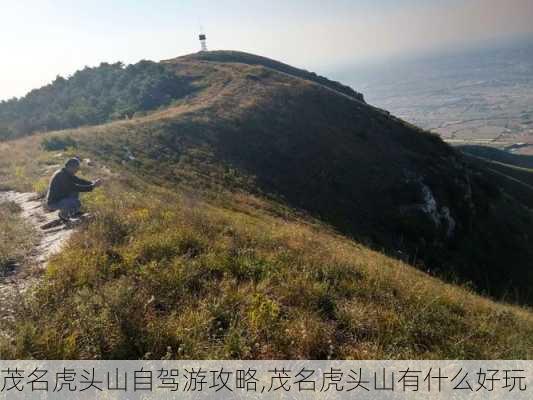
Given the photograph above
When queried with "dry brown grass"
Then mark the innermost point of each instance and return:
(16, 237)
(172, 275)
(161, 273)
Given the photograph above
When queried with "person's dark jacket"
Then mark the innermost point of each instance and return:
(63, 184)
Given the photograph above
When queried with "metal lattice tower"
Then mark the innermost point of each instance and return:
(203, 39)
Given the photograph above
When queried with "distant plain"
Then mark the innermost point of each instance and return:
(478, 97)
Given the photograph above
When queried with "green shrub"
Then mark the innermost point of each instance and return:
(56, 143)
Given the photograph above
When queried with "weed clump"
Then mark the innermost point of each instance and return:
(58, 143)
(16, 237)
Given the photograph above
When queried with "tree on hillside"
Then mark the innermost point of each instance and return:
(92, 96)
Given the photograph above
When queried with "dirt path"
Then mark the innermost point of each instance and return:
(49, 242)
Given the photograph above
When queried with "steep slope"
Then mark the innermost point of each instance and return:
(256, 125)
(509, 171)
(204, 245)
(369, 174)
(167, 273)
(500, 156)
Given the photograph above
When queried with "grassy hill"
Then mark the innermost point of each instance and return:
(239, 221)
(500, 156)
(387, 184)
(512, 172)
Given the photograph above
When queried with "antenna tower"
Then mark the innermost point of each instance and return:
(203, 40)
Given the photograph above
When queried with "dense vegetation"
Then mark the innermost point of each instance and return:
(176, 276)
(375, 178)
(394, 187)
(92, 96)
(238, 224)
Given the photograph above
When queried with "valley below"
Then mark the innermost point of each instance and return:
(477, 97)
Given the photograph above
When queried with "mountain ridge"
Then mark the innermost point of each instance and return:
(238, 221)
(231, 56)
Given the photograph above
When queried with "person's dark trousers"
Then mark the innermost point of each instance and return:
(68, 207)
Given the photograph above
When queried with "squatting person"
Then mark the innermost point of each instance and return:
(64, 190)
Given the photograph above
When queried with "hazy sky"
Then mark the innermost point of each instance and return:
(43, 38)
